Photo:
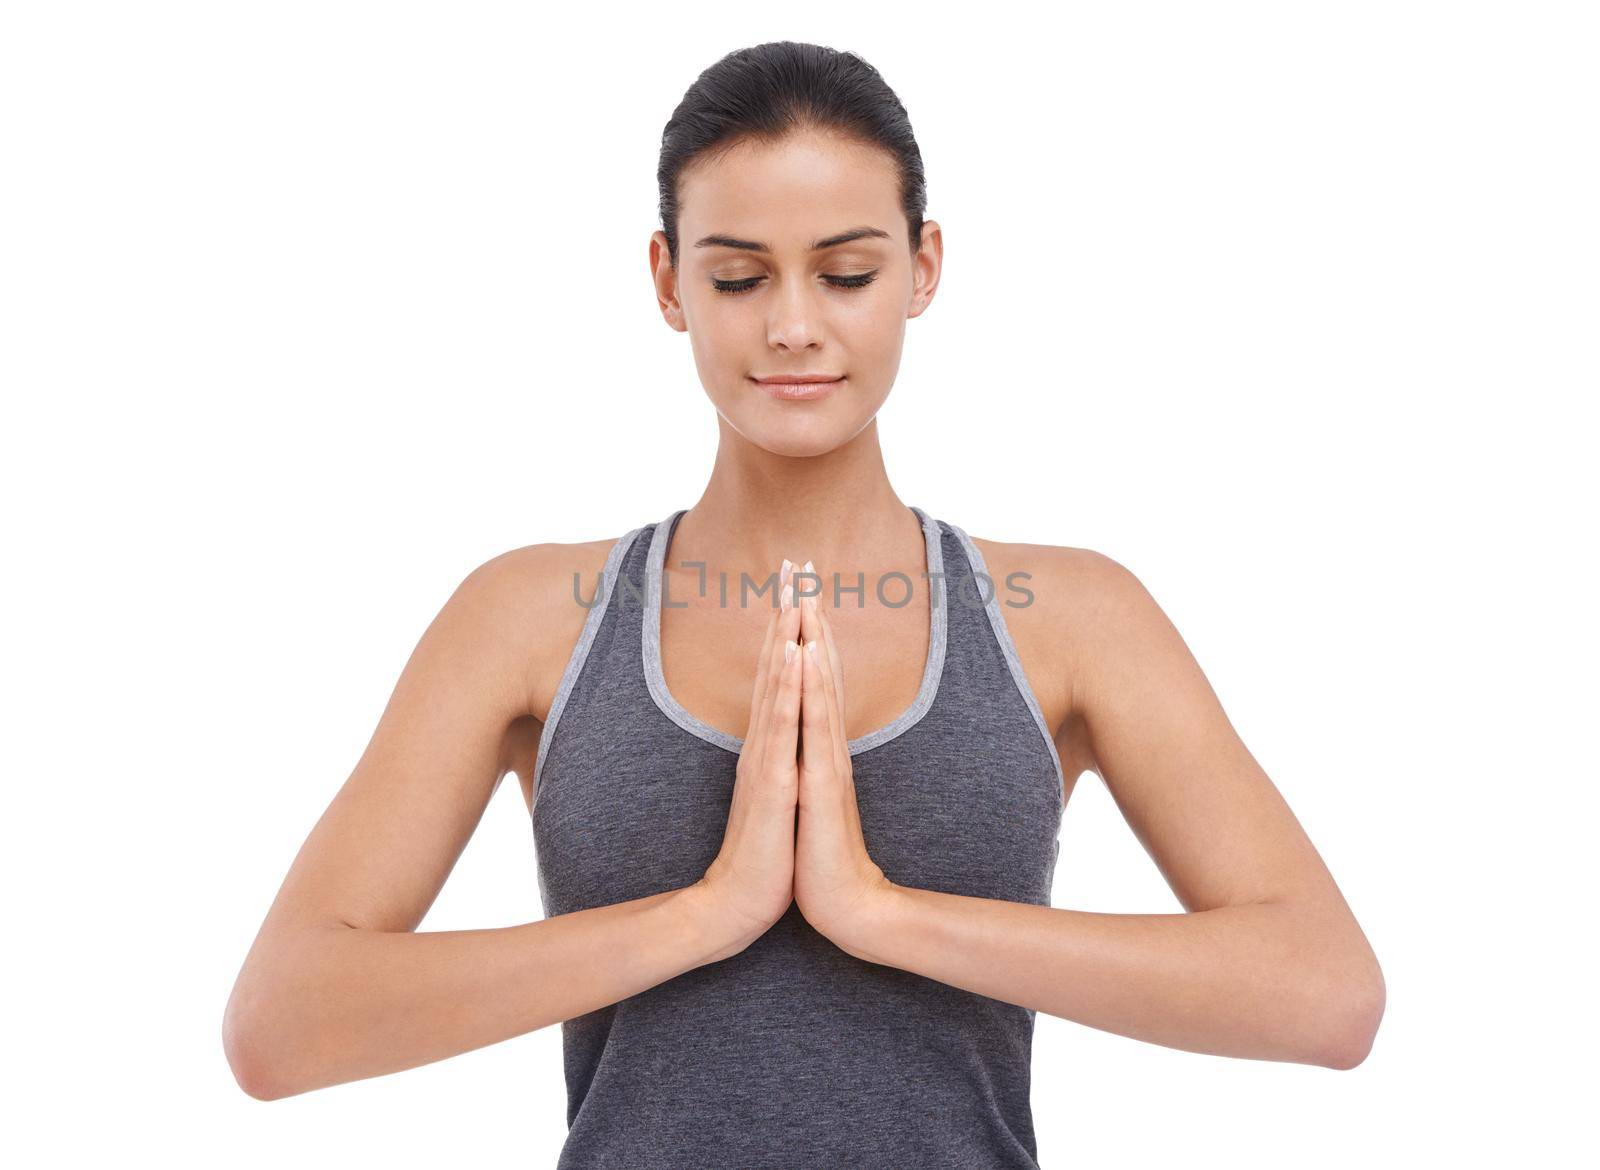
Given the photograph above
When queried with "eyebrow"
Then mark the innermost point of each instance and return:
(817, 246)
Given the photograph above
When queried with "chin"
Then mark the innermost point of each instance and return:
(796, 438)
(799, 429)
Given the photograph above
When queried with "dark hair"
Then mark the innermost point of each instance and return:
(768, 91)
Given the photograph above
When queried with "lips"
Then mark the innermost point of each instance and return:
(800, 387)
(793, 378)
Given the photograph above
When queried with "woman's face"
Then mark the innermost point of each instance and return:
(761, 300)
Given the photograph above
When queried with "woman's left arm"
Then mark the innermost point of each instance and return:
(1268, 962)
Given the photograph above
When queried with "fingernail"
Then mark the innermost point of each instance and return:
(790, 650)
(811, 649)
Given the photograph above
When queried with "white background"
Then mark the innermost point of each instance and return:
(311, 308)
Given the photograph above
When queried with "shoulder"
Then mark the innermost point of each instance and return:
(529, 605)
(538, 577)
(1068, 583)
(1066, 609)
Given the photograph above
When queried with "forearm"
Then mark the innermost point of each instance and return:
(1268, 980)
(322, 1005)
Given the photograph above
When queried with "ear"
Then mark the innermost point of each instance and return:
(926, 267)
(665, 277)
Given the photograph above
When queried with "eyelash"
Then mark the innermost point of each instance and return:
(735, 287)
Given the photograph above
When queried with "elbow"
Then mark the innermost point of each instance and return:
(1351, 1013)
(246, 1043)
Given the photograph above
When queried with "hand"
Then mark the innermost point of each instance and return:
(750, 883)
(836, 884)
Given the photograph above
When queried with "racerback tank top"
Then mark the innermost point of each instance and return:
(793, 1053)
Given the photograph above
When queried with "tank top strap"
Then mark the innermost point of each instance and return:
(975, 601)
(605, 590)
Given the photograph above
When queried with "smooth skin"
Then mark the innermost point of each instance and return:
(752, 876)
(340, 986)
(1266, 961)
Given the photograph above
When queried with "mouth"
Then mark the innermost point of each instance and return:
(800, 387)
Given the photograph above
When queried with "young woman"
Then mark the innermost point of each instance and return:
(796, 827)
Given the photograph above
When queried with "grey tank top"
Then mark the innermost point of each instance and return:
(793, 1053)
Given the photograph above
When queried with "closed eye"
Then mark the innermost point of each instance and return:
(734, 287)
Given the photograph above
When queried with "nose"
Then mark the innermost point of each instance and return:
(794, 318)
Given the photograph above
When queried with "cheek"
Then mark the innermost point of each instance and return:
(717, 317)
(721, 334)
(871, 329)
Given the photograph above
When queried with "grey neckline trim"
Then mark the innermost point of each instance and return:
(656, 680)
(998, 623)
(580, 652)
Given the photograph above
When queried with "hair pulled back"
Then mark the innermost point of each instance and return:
(768, 91)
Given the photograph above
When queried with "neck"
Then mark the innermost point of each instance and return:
(837, 510)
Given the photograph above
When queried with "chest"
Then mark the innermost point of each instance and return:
(709, 655)
(963, 801)
(956, 787)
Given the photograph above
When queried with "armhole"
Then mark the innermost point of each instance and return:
(1002, 635)
(580, 653)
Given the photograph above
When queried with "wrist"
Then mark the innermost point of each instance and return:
(704, 921)
(871, 924)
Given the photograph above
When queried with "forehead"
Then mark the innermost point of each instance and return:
(788, 193)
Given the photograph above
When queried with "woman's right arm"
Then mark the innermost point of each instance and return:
(337, 985)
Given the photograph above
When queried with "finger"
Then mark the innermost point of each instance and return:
(782, 632)
(789, 619)
(817, 753)
(827, 654)
(834, 659)
(768, 666)
(837, 745)
(836, 673)
(783, 732)
(813, 633)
